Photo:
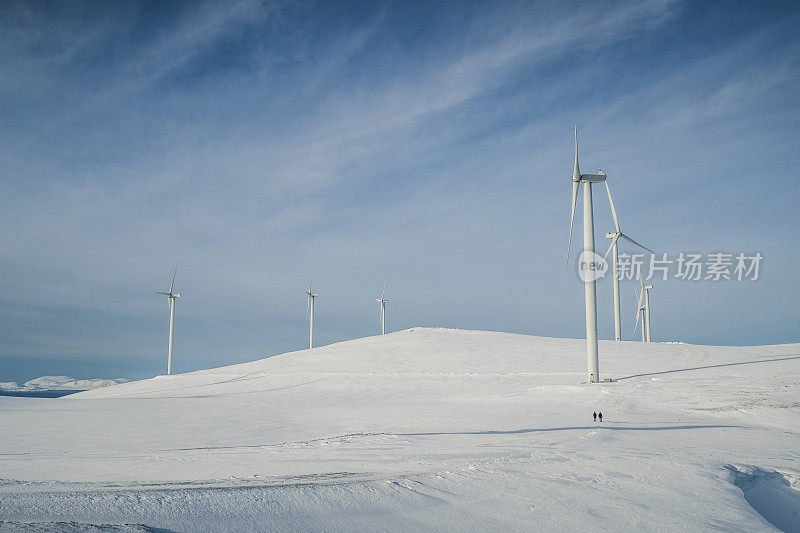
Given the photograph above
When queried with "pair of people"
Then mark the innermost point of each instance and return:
(597, 415)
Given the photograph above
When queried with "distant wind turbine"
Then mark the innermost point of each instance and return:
(588, 259)
(615, 268)
(310, 310)
(644, 309)
(172, 296)
(639, 313)
(382, 301)
(646, 289)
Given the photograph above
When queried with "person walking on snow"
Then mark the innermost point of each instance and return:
(600, 416)
(595, 416)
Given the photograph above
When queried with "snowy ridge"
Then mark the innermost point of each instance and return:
(422, 429)
(60, 383)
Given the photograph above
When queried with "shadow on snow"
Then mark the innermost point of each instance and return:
(709, 366)
(566, 428)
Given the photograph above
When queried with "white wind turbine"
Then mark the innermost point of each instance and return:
(588, 263)
(639, 313)
(310, 310)
(172, 296)
(382, 301)
(644, 309)
(615, 261)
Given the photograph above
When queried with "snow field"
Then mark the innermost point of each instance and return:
(423, 429)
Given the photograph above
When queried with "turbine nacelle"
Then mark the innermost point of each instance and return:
(593, 178)
(170, 294)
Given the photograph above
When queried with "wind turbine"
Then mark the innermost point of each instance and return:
(646, 291)
(614, 238)
(172, 296)
(588, 264)
(382, 302)
(639, 313)
(310, 310)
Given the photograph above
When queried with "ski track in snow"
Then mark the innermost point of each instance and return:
(424, 429)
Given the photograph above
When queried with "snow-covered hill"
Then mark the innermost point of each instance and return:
(60, 383)
(423, 429)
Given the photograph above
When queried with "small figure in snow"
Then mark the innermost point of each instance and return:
(600, 416)
(595, 416)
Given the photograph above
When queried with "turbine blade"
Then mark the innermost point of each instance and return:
(638, 309)
(641, 281)
(575, 185)
(636, 243)
(613, 211)
(613, 242)
(173, 278)
(164, 293)
(576, 171)
(383, 293)
(576, 181)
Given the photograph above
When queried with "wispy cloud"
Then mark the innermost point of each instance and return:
(259, 143)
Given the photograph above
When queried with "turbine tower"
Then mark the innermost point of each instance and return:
(172, 296)
(382, 301)
(310, 310)
(615, 262)
(588, 264)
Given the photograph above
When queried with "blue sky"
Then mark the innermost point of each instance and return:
(258, 144)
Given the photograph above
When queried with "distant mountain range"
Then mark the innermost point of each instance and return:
(59, 383)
